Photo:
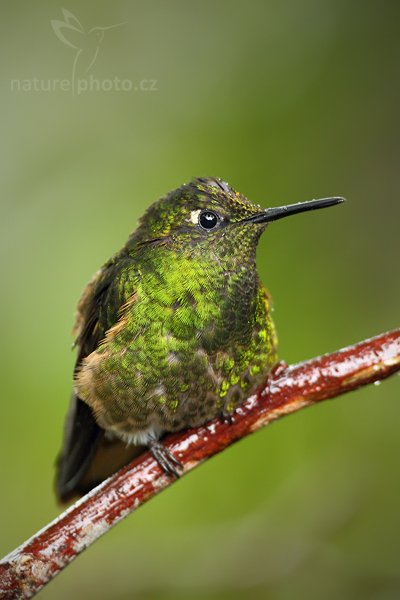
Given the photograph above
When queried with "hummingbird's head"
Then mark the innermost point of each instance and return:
(97, 34)
(208, 212)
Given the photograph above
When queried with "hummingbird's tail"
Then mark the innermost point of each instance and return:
(81, 438)
(87, 456)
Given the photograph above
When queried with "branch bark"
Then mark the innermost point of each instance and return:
(288, 389)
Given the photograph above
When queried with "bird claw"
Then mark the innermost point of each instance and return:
(167, 461)
(227, 417)
(278, 369)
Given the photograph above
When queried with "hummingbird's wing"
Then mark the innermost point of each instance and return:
(98, 310)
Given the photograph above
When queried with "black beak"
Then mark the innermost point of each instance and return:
(273, 214)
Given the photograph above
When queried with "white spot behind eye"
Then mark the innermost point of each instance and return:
(194, 216)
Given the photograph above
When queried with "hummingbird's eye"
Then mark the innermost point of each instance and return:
(208, 219)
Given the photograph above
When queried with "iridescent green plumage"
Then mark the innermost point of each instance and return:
(175, 329)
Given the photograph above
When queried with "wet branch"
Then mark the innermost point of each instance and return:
(28, 568)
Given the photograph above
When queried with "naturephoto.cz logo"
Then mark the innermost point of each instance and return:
(86, 49)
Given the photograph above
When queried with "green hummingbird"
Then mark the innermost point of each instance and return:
(174, 330)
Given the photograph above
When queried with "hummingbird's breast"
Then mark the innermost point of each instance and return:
(192, 342)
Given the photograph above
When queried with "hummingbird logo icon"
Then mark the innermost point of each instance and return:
(85, 42)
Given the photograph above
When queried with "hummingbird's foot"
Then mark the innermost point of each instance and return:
(278, 369)
(227, 417)
(165, 458)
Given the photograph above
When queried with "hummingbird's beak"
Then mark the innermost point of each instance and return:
(113, 26)
(273, 214)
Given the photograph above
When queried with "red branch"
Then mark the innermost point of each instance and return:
(26, 570)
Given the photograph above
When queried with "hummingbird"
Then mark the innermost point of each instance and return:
(86, 43)
(174, 330)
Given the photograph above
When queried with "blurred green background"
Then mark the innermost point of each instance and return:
(287, 101)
